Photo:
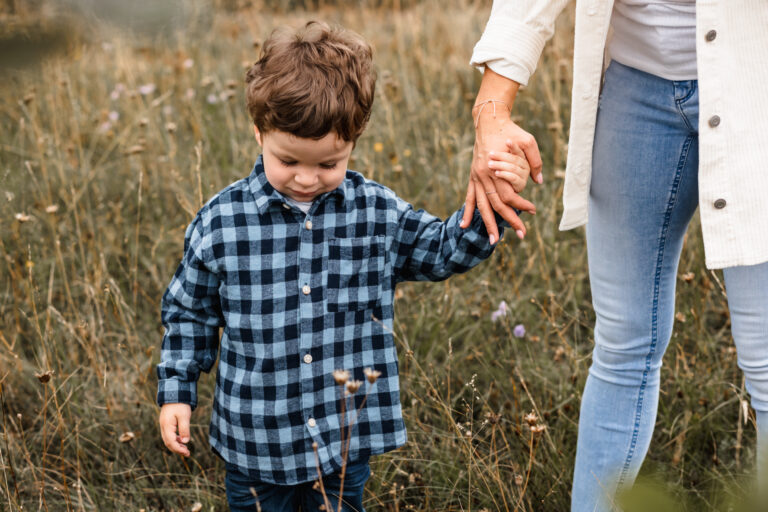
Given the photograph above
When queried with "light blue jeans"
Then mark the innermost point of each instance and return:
(644, 191)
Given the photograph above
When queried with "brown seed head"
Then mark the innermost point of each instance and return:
(371, 375)
(44, 377)
(340, 376)
(531, 418)
(353, 386)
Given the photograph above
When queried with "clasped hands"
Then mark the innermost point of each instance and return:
(504, 156)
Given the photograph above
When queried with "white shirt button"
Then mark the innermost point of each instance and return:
(308, 224)
(285, 205)
(307, 358)
(305, 289)
(312, 423)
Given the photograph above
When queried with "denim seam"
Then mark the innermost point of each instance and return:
(679, 105)
(655, 306)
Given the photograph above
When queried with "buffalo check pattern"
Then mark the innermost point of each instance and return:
(297, 296)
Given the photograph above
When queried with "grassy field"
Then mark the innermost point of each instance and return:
(108, 150)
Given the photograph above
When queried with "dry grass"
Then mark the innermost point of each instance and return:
(94, 206)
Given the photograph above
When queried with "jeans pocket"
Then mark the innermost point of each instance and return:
(238, 487)
(355, 273)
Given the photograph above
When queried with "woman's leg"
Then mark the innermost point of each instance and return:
(642, 196)
(747, 289)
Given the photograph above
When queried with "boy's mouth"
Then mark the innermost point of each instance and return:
(303, 195)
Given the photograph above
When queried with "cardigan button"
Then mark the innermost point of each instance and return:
(312, 423)
(714, 121)
(305, 289)
(710, 36)
(720, 204)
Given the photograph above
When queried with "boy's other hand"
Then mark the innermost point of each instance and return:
(174, 427)
(512, 167)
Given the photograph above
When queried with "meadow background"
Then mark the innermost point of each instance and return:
(117, 122)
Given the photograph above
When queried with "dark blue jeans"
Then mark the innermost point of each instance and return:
(282, 498)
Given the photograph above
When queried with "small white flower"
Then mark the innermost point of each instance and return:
(147, 89)
(212, 99)
(188, 63)
(114, 116)
(500, 312)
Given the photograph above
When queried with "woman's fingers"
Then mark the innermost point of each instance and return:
(486, 212)
(469, 206)
(508, 214)
(531, 150)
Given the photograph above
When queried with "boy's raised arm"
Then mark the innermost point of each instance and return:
(191, 314)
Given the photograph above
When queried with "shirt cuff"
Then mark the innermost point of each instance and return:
(478, 224)
(510, 48)
(175, 391)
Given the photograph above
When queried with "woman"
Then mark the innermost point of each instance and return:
(681, 121)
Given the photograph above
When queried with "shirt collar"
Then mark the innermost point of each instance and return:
(265, 195)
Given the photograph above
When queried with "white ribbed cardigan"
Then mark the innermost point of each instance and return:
(733, 85)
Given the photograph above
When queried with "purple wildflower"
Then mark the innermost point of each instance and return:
(519, 331)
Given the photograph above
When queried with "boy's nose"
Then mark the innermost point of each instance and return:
(306, 178)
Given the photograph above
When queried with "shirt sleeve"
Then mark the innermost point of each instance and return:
(428, 249)
(191, 314)
(515, 35)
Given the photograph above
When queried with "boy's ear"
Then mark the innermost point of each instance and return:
(257, 134)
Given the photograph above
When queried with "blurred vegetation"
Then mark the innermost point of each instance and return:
(110, 144)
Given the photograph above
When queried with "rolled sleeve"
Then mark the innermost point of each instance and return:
(515, 36)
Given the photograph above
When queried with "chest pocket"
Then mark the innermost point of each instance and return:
(355, 273)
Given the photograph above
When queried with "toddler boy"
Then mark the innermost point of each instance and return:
(298, 264)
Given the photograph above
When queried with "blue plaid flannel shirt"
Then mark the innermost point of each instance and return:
(299, 296)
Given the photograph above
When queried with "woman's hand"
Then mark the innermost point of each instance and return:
(495, 132)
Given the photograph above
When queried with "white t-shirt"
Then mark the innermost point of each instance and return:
(655, 36)
(301, 205)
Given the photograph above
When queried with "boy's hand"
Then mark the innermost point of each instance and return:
(512, 167)
(173, 417)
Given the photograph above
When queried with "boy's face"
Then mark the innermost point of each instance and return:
(303, 169)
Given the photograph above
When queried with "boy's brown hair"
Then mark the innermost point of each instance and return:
(312, 81)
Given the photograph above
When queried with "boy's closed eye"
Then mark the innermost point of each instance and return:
(328, 165)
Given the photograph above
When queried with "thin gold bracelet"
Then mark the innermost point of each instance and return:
(482, 105)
